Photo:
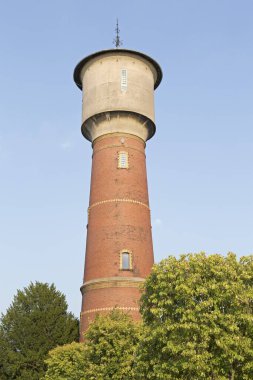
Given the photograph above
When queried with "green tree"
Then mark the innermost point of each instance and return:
(36, 322)
(68, 362)
(198, 311)
(107, 353)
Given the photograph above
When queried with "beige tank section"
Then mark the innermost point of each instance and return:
(118, 93)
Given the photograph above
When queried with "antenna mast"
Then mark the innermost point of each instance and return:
(117, 41)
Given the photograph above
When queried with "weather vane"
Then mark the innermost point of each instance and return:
(117, 41)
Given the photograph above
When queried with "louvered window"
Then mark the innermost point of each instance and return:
(123, 80)
(123, 160)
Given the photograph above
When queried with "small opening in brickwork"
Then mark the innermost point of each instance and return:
(125, 260)
(123, 160)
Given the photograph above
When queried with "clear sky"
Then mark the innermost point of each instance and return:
(199, 162)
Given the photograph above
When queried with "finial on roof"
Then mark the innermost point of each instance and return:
(117, 41)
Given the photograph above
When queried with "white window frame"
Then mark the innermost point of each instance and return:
(130, 259)
(123, 161)
(123, 79)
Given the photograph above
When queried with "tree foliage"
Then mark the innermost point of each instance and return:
(67, 362)
(198, 312)
(36, 322)
(197, 325)
(107, 353)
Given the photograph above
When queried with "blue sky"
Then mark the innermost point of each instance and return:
(199, 162)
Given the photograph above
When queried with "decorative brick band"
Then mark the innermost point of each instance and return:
(118, 146)
(118, 200)
(123, 308)
(112, 282)
(119, 134)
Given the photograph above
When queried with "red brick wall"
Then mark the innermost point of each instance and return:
(115, 225)
(127, 299)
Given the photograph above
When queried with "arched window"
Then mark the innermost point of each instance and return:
(123, 160)
(126, 260)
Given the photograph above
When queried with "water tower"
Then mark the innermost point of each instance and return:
(117, 118)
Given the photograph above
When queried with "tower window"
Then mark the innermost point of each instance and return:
(123, 80)
(123, 160)
(126, 260)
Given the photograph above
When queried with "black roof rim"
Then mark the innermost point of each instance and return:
(80, 65)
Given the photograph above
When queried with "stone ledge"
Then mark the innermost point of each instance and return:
(112, 282)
